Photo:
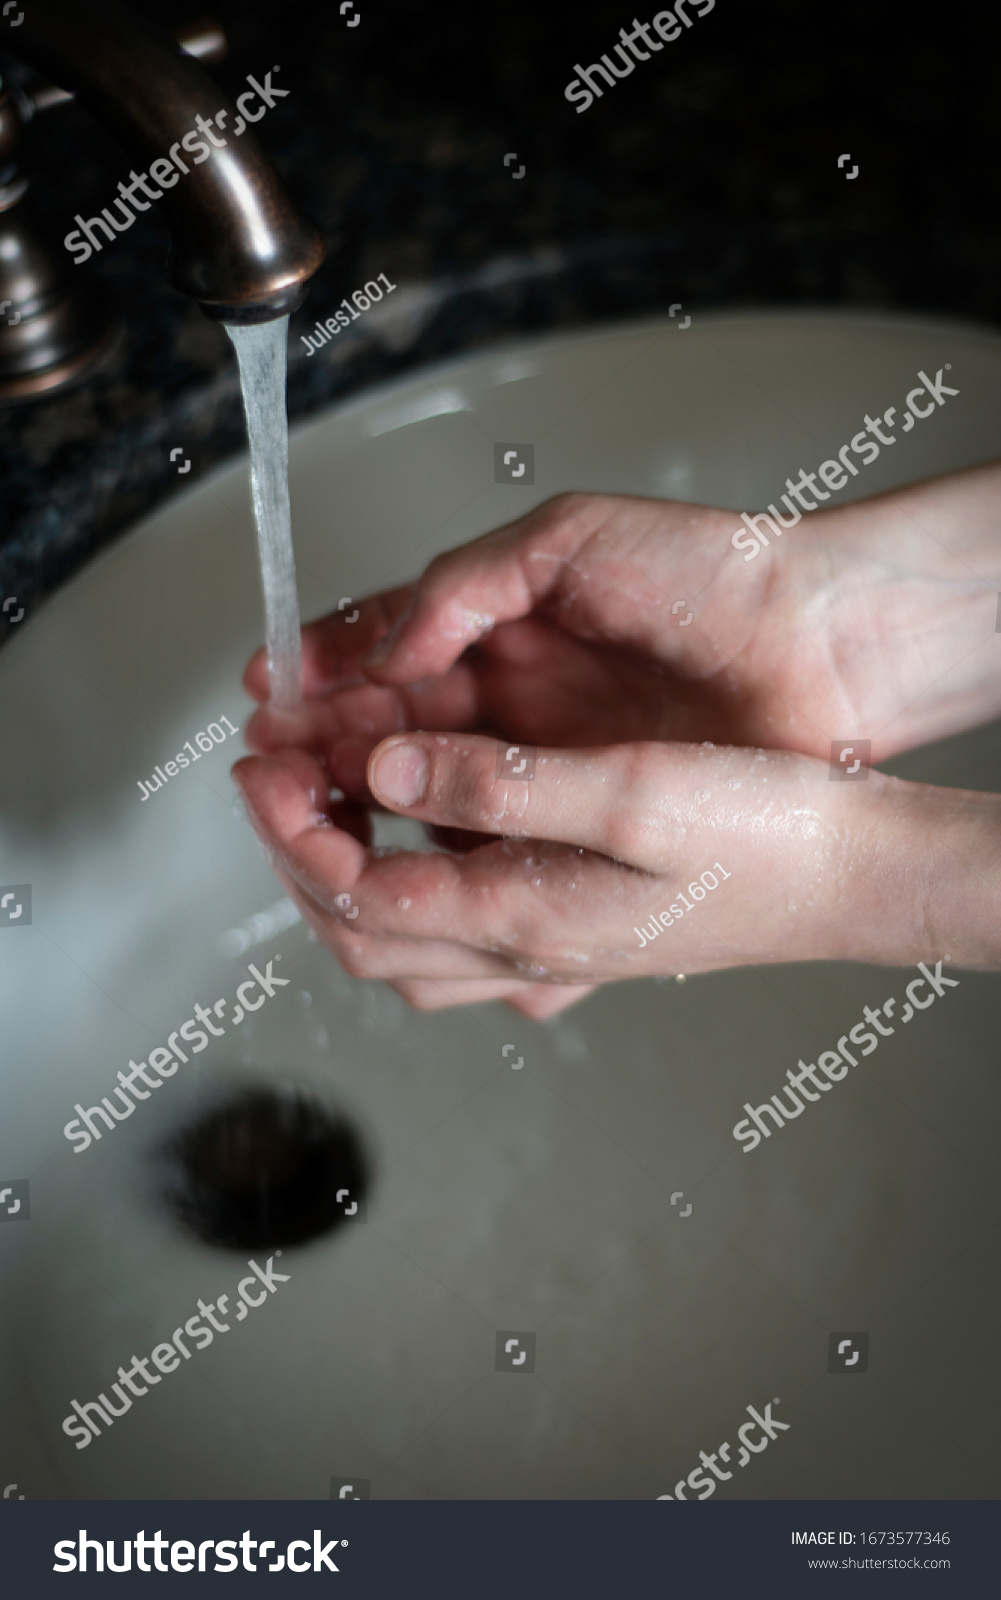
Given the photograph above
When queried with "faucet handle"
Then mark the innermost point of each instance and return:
(202, 37)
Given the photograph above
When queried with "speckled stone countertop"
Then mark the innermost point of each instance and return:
(709, 176)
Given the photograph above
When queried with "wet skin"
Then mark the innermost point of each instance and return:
(659, 750)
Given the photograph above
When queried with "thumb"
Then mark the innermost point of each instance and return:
(610, 799)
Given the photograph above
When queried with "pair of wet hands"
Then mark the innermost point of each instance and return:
(656, 750)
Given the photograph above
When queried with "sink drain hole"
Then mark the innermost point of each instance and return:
(264, 1170)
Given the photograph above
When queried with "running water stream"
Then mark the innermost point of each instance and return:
(261, 350)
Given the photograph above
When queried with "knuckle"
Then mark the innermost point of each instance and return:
(567, 504)
(633, 825)
(486, 800)
(494, 899)
(575, 512)
(521, 941)
(619, 835)
(477, 790)
(439, 567)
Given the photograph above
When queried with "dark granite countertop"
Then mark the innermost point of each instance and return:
(708, 176)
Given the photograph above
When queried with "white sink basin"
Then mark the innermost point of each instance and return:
(536, 1199)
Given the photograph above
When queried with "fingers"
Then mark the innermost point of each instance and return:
(337, 883)
(441, 995)
(563, 621)
(605, 567)
(333, 646)
(587, 840)
(538, 1001)
(611, 800)
(308, 777)
(497, 578)
(331, 878)
(368, 711)
(542, 1001)
(281, 801)
(437, 965)
(285, 805)
(410, 914)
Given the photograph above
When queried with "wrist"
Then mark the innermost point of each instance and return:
(924, 878)
(922, 562)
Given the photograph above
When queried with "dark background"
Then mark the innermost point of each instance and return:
(708, 176)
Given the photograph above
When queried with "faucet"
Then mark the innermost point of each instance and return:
(239, 246)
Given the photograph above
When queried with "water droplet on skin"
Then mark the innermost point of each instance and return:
(702, 796)
(536, 883)
(733, 783)
(707, 744)
(403, 904)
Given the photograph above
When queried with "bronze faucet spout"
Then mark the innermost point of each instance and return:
(240, 247)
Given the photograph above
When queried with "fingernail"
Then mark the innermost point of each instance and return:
(400, 775)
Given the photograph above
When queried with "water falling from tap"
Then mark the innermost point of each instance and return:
(261, 350)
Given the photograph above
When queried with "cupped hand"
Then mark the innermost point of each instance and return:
(612, 862)
(599, 619)
(596, 622)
